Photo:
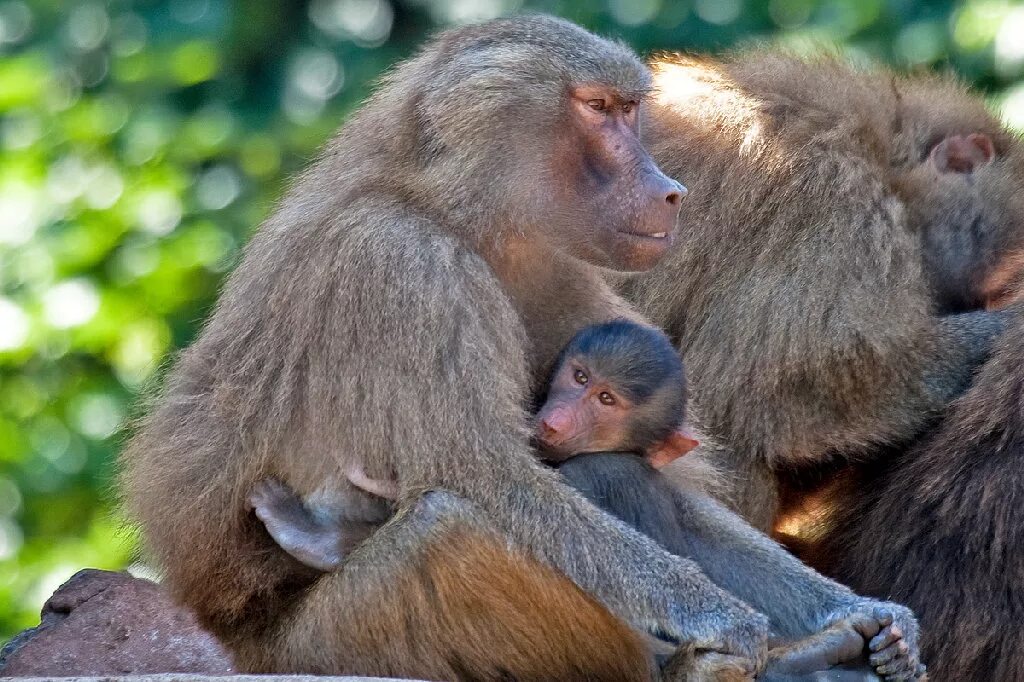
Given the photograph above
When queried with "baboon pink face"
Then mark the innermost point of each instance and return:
(583, 413)
(624, 209)
(588, 412)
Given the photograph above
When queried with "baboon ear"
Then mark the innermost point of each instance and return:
(963, 153)
(671, 448)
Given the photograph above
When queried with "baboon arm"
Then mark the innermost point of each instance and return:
(753, 567)
(965, 342)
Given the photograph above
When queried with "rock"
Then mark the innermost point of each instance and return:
(106, 623)
(203, 678)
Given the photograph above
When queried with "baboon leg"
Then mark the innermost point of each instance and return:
(437, 594)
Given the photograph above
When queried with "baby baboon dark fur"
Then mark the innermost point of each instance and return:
(836, 219)
(941, 526)
(394, 314)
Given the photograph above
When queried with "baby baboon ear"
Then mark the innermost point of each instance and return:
(671, 448)
(963, 153)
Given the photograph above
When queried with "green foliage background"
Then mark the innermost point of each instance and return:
(140, 142)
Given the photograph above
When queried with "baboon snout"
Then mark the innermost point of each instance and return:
(664, 196)
(554, 426)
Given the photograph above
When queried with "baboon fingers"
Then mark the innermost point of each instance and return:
(886, 637)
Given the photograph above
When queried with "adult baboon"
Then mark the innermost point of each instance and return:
(842, 229)
(393, 315)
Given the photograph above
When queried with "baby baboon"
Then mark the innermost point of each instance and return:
(940, 526)
(394, 315)
(843, 230)
(621, 387)
(616, 387)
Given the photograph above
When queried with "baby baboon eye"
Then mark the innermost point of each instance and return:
(606, 398)
(580, 376)
(596, 104)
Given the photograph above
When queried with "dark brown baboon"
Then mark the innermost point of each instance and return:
(843, 227)
(393, 316)
(940, 526)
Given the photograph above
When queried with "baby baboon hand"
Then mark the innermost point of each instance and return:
(276, 504)
(890, 632)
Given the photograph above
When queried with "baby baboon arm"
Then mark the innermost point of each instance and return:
(311, 541)
(799, 602)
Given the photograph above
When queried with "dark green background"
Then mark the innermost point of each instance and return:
(140, 142)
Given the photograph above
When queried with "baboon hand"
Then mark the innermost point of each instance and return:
(890, 632)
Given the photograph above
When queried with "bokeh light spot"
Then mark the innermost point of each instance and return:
(71, 303)
(718, 11)
(158, 212)
(633, 12)
(14, 325)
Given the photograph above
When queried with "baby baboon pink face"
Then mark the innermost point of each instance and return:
(583, 413)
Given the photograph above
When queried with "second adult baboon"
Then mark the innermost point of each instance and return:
(940, 526)
(843, 229)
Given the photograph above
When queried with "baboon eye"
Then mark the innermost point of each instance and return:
(628, 107)
(606, 398)
(596, 104)
(580, 377)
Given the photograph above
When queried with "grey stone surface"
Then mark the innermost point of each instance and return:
(207, 678)
(106, 623)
